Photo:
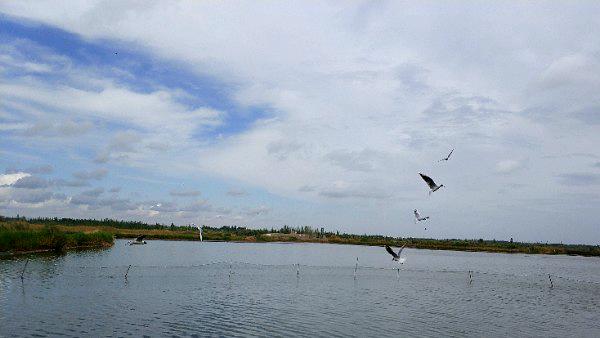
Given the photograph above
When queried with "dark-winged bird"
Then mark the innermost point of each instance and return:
(447, 157)
(432, 186)
(395, 256)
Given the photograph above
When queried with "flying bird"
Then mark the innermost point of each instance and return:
(200, 229)
(447, 157)
(432, 186)
(418, 217)
(396, 256)
(138, 240)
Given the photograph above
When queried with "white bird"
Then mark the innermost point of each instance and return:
(432, 186)
(396, 256)
(199, 229)
(138, 240)
(418, 217)
(447, 157)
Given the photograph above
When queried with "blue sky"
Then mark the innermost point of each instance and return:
(264, 114)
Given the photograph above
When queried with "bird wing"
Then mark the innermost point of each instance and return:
(451, 151)
(140, 238)
(428, 180)
(387, 247)
(400, 251)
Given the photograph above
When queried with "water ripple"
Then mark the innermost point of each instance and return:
(204, 291)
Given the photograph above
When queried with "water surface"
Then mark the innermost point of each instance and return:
(179, 288)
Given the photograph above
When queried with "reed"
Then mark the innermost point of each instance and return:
(18, 237)
(128, 229)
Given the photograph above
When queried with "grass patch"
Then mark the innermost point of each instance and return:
(51, 233)
(18, 236)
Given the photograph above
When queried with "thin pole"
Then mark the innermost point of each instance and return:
(127, 272)
(355, 267)
(24, 267)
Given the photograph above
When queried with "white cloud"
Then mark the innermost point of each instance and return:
(10, 179)
(569, 70)
(508, 166)
(350, 94)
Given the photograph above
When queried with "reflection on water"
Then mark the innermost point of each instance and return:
(188, 288)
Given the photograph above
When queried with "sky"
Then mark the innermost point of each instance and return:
(267, 113)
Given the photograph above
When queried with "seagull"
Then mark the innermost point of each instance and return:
(396, 256)
(199, 229)
(418, 217)
(447, 157)
(434, 187)
(138, 240)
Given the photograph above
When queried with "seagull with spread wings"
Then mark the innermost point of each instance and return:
(418, 217)
(138, 240)
(396, 256)
(447, 157)
(432, 186)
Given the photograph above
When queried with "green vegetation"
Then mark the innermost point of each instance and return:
(17, 236)
(102, 229)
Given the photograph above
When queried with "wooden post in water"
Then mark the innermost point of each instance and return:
(355, 267)
(127, 272)
(24, 267)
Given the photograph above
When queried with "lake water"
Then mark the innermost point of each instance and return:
(246, 289)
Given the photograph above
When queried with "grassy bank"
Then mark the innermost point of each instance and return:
(22, 237)
(127, 229)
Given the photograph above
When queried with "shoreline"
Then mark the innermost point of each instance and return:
(8, 254)
(521, 248)
(21, 238)
(5, 254)
(86, 233)
(377, 245)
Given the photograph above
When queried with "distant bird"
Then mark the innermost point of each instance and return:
(396, 256)
(418, 217)
(200, 229)
(138, 240)
(447, 157)
(432, 186)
